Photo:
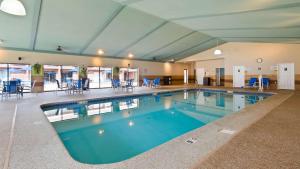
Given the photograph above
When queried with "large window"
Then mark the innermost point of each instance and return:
(59, 75)
(105, 77)
(51, 74)
(94, 77)
(16, 72)
(129, 74)
(69, 74)
(3, 73)
(21, 72)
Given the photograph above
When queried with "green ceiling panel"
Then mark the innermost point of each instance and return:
(259, 33)
(17, 31)
(192, 39)
(125, 29)
(194, 50)
(72, 23)
(275, 18)
(148, 28)
(163, 36)
(170, 9)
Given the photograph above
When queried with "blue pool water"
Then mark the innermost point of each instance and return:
(112, 130)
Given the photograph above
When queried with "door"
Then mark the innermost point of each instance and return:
(186, 76)
(286, 76)
(200, 73)
(220, 76)
(238, 76)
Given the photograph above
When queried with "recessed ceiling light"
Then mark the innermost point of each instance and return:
(100, 52)
(130, 55)
(14, 7)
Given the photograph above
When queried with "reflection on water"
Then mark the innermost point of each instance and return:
(107, 131)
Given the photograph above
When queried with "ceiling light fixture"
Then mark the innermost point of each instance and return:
(100, 52)
(130, 55)
(14, 7)
(218, 51)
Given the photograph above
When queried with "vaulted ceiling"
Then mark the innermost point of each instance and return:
(150, 29)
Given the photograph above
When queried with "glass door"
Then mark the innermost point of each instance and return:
(94, 77)
(3, 75)
(105, 77)
(129, 74)
(52, 75)
(20, 72)
(3, 72)
(69, 74)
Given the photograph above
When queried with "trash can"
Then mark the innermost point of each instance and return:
(167, 80)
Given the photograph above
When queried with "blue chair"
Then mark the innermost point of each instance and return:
(156, 82)
(252, 82)
(146, 82)
(11, 87)
(115, 83)
(129, 85)
(266, 82)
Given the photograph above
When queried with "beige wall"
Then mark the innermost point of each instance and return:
(245, 54)
(145, 67)
(210, 65)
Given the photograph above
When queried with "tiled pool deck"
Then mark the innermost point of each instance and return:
(35, 145)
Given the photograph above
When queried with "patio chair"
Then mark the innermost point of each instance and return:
(58, 86)
(115, 83)
(156, 82)
(86, 83)
(252, 82)
(266, 82)
(12, 87)
(146, 82)
(129, 85)
(78, 87)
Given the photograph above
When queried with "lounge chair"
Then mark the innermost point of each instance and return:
(129, 85)
(115, 83)
(156, 82)
(11, 87)
(266, 82)
(146, 82)
(252, 82)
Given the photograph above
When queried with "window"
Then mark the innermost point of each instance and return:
(128, 74)
(52, 74)
(94, 77)
(21, 72)
(105, 77)
(3, 73)
(69, 74)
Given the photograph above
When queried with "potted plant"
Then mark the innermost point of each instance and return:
(82, 72)
(116, 72)
(37, 70)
